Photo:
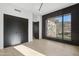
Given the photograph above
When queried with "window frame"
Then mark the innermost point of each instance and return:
(62, 38)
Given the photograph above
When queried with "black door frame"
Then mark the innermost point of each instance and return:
(37, 33)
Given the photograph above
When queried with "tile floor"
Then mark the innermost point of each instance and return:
(26, 51)
(53, 48)
(46, 47)
(10, 51)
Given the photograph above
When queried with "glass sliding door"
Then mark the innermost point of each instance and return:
(59, 27)
(54, 27)
(67, 26)
(50, 27)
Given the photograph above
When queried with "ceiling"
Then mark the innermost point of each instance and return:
(28, 6)
(51, 7)
(46, 7)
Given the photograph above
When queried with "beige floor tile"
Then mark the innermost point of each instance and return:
(10, 51)
(27, 51)
(53, 48)
(46, 47)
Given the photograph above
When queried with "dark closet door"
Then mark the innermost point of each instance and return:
(15, 30)
(36, 30)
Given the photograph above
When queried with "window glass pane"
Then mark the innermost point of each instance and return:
(67, 26)
(54, 27)
(59, 27)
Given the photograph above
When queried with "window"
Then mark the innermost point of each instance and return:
(54, 27)
(59, 27)
(67, 26)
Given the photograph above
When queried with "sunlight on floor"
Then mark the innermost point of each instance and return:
(27, 51)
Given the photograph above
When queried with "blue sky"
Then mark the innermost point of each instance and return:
(67, 18)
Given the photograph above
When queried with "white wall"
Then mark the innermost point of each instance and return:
(9, 9)
(1, 30)
(38, 18)
(40, 27)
